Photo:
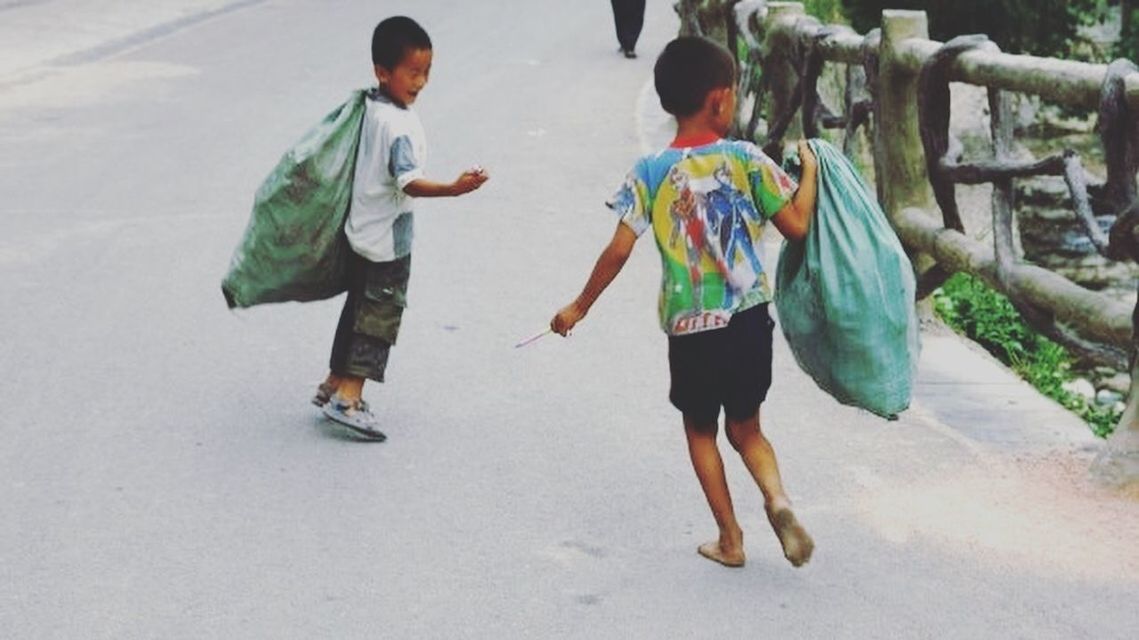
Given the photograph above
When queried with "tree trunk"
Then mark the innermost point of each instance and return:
(1125, 25)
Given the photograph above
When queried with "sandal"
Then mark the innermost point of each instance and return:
(324, 393)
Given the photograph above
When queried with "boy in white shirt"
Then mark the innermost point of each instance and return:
(389, 176)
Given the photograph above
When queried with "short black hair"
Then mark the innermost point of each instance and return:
(688, 69)
(394, 37)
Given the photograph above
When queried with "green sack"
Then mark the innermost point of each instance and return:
(294, 248)
(845, 295)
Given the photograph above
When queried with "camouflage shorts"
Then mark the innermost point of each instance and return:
(369, 323)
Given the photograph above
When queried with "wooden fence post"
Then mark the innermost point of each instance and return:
(778, 42)
(899, 158)
(1118, 461)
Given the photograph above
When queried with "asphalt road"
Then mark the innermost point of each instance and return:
(162, 474)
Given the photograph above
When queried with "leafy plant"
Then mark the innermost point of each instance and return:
(989, 319)
(1039, 27)
(827, 11)
(1128, 46)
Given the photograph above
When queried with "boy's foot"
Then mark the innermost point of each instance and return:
(715, 552)
(629, 53)
(797, 544)
(324, 392)
(355, 416)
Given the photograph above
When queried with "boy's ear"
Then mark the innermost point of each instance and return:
(382, 74)
(717, 100)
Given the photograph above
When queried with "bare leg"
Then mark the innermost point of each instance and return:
(350, 389)
(333, 381)
(325, 390)
(709, 467)
(759, 458)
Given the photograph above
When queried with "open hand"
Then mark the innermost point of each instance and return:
(470, 180)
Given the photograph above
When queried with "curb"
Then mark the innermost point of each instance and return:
(116, 45)
(119, 45)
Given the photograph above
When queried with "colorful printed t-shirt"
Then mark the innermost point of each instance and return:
(393, 152)
(707, 206)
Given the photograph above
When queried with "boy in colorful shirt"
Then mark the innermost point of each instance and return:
(389, 177)
(707, 201)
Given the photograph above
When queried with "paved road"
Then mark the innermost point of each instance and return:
(163, 475)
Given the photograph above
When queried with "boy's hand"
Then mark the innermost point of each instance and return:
(565, 319)
(469, 180)
(608, 265)
(807, 158)
(794, 219)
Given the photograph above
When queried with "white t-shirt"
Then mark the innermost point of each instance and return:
(392, 153)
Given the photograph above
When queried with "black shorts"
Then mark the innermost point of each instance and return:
(729, 368)
(370, 320)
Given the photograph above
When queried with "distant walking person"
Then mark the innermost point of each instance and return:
(629, 15)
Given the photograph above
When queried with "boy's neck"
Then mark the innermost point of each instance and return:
(693, 132)
(384, 92)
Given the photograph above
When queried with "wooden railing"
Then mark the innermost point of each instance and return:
(897, 84)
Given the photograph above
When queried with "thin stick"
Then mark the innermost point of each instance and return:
(534, 338)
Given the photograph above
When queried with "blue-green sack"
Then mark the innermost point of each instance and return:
(294, 248)
(845, 295)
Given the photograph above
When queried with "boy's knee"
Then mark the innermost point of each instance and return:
(740, 431)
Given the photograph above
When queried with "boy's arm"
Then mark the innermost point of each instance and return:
(468, 181)
(608, 265)
(794, 219)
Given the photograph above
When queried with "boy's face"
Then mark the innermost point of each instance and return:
(404, 82)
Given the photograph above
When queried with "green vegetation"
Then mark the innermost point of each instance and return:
(1038, 27)
(989, 319)
(1049, 28)
(827, 11)
(1128, 46)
